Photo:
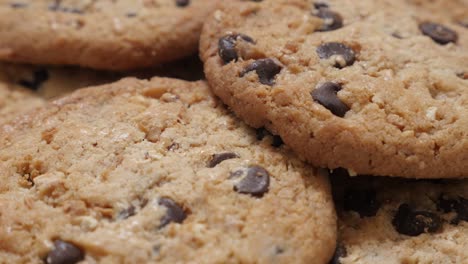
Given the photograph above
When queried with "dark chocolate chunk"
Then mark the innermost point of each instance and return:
(331, 19)
(64, 253)
(182, 3)
(218, 158)
(363, 202)
(413, 223)
(326, 95)
(340, 252)
(318, 5)
(344, 55)
(255, 182)
(124, 214)
(227, 46)
(446, 205)
(174, 212)
(266, 70)
(40, 76)
(458, 205)
(439, 33)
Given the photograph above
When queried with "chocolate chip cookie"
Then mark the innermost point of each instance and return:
(377, 87)
(104, 34)
(400, 220)
(156, 172)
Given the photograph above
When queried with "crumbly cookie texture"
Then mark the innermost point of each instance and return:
(400, 221)
(104, 34)
(377, 87)
(15, 101)
(156, 172)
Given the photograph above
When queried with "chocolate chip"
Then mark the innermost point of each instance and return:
(182, 3)
(462, 209)
(326, 95)
(331, 19)
(363, 202)
(131, 14)
(463, 75)
(340, 252)
(318, 5)
(56, 7)
(438, 33)
(64, 253)
(227, 46)
(266, 70)
(277, 141)
(458, 205)
(18, 5)
(218, 158)
(124, 214)
(279, 250)
(255, 182)
(261, 133)
(341, 54)
(413, 223)
(40, 76)
(446, 205)
(174, 212)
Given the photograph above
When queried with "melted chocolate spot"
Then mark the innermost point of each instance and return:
(266, 70)
(256, 181)
(326, 95)
(64, 253)
(344, 55)
(331, 19)
(227, 46)
(174, 212)
(439, 33)
(413, 223)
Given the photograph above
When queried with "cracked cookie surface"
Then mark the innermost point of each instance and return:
(377, 87)
(100, 34)
(156, 172)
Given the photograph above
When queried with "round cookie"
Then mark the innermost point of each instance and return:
(156, 172)
(377, 87)
(400, 221)
(105, 34)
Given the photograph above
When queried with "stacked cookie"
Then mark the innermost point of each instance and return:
(164, 170)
